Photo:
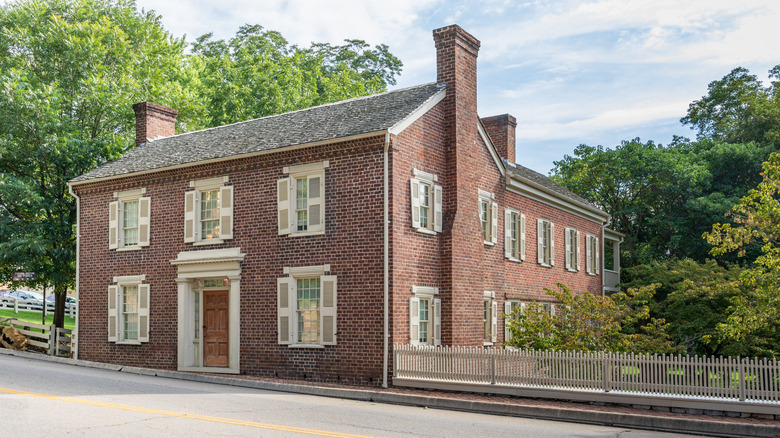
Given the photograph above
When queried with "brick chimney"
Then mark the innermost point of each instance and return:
(153, 121)
(501, 130)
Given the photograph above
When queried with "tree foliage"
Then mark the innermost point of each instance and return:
(585, 322)
(258, 73)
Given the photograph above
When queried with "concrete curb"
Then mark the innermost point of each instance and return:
(709, 427)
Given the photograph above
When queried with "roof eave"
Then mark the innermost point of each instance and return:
(540, 193)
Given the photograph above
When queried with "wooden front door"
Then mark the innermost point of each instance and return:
(215, 328)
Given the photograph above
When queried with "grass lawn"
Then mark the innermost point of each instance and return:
(70, 323)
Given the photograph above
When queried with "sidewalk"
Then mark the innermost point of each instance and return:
(609, 415)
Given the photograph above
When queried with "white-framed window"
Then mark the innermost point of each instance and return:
(129, 220)
(510, 307)
(307, 307)
(300, 200)
(426, 198)
(488, 217)
(514, 235)
(424, 316)
(208, 211)
(592, 254)
(545, 233)
(572, 243)
(128, 310)
(490, 318)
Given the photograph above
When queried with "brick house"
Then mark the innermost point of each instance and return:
(304, 245)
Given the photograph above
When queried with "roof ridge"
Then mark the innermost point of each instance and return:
(352, 99)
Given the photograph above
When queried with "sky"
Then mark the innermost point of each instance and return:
(572, 72)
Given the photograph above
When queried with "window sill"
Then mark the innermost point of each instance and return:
(572, 270)
(129, 248)
(544, 265)
(304, 234)
(487, 344)
(426, 231)
(208, 242)
(488, 243)
(128, 343)
(512, 259)
(593, 274)
(306, 346)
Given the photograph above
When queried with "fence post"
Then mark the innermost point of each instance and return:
(52, 341)
(16, 305)
(492, 368)
(742, 389)
(606, 371)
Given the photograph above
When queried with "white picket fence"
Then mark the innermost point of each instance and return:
(689, 377)
(33, 306)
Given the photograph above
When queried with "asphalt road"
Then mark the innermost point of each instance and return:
(43, 399)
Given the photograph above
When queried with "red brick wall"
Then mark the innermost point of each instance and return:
(352, 245)
(153, 121)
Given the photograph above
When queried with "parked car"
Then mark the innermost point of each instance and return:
(69, 301)
(25, 295)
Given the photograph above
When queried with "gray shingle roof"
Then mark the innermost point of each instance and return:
(547, 183)
(333, 121)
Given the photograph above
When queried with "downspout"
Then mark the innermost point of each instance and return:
(387, 262)
(78, 251)
(603, 257)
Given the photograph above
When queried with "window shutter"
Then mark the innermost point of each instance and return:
(522, 237)
(507, 234)
(283, 205)
(328, 310)
(189, 216)
(113, 225)
(437, 208)
(226, 212)
(143, 313)
(494, 321)
(552, 309)
(414, 321)
(415, 203)
(113, 295)
(597, 268)
(552, 244)
(577, 252)
(540, 240)
(569, 249)
(316, 214)
(144, 216)
(436, 321)
(589, 254)
(494, 218)
(507, 319)
(284, 288)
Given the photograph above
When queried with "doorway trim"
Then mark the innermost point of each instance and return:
(193, 268)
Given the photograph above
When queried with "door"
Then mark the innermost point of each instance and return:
(215, 328)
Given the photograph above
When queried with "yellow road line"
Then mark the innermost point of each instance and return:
(182, 414)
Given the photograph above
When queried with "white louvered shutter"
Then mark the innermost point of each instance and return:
(494, 322)
(143, 313)
(144, 220)
(522, 237)
(597, 268)
(316, 203)
(569, 249)
(189, 215)
(113, 295)
(113, 225)
(552, 244)
(507, 234)
(415, 203)
(414, 321)
(507, 319)
(589, 254)
(577, 252)
(284, 301)
(494, 218)
(436, 321)
(283, 205)
(540, 240)
(226, 212)
(328, 310)
(438, 219)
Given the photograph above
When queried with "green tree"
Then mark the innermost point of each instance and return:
(738, 109)
(585, 322)
(752, 318)
(258, 73)
(70, 71)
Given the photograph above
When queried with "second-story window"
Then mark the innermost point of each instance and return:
(488, 217)
(208, 211)
(301, 200)
(545, 233)
(426, 197)
(514, 235)
(129, 220)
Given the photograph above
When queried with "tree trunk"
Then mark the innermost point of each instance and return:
(60, 292)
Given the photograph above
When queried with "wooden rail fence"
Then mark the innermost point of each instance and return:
(55, 341)
(33, 306)
(739, 380)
